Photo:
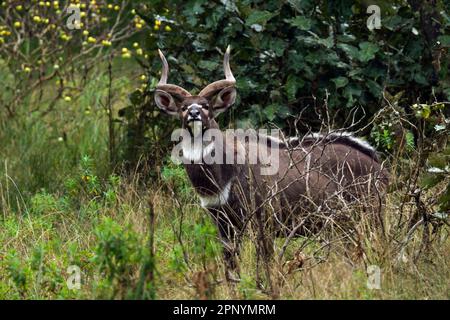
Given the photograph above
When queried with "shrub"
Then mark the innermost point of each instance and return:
(314, 59)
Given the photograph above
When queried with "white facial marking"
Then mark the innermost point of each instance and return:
(189, 116)
(194, 105)
(216, 200)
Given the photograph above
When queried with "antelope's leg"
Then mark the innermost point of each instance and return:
(228, 231)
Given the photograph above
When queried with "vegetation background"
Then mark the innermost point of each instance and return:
(85, 178)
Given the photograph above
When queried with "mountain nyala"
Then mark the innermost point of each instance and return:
(281, 184)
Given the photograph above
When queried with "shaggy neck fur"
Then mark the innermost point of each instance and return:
(201, 174)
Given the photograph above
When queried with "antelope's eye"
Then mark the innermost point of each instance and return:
(206, 106)
(183, 108)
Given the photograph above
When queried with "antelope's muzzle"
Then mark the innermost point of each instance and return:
(194, 114)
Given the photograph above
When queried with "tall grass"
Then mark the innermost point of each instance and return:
(108, 236)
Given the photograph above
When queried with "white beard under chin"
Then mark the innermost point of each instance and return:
(197, 128)
(194, 149)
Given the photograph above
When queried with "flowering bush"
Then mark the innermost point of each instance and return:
(62, 41)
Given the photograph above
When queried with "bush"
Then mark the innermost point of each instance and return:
(317, 59)
(119, 253)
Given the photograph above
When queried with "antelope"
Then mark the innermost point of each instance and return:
(311, 170)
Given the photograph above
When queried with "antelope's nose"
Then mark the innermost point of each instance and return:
(194, 113)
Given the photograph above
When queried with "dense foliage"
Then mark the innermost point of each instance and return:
(314, 58)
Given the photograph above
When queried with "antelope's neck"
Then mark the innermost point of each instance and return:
(211, 180)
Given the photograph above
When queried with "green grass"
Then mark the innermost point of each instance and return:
(61, 206)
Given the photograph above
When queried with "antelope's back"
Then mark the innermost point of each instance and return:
(321, 171)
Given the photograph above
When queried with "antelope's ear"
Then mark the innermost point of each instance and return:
(166, 102)
(224, 100)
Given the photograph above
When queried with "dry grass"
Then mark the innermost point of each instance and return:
(337, 272)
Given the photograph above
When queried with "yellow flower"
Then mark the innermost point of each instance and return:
(143, 77)
(168, 28)
(19, 7)
(139, 52)
(37, 19)
(17, 24)
(92, 40)
(124, 50)
(136, 45)
(67, 99)
(157, 22)
(138, 26)
(27, 69)
(86, 32)
(156, 27)
(106, 43)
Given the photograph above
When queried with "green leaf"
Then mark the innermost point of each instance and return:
(429, 180)
(351, 51)
(208, 65)
(276, 45)
(301, 23)
(375, 89)
(136, 97)
(444, 40)
(273, 110)
(340, 82)
(283, 111)
(420, 79)
(259, 17)
(293, 83)
(270, 112)
(317, 41)
(351, 91)
(367, 51)
(410, 141)
(393, 22)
